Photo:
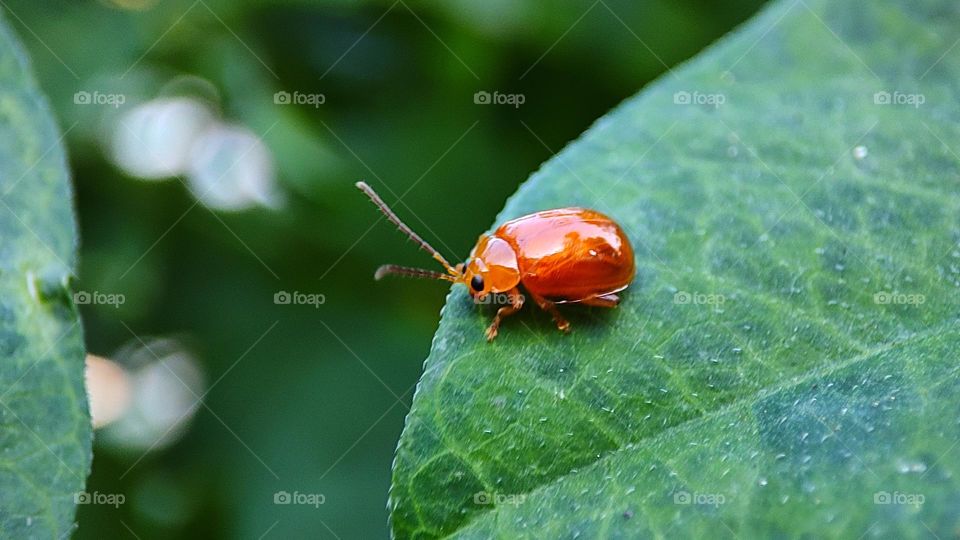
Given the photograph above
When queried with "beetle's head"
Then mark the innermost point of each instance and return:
(492, 267)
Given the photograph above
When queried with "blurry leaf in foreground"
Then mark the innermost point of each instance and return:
(785, 363)
(45, 433)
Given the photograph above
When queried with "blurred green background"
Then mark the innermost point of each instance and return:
(312, 399)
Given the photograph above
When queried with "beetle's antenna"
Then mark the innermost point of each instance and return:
(389, 269)
(405, 230)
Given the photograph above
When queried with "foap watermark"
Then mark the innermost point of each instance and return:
(297, 298)
(306, 499)
(97, 298)
(683, 97)
(109, 499)
(98, 98)
(497, 299)
(898, 98)
(698, 298)
(897, 497)
(283, 97)
(896, 298)
(498, 499)
(708, 499)
(483, 97)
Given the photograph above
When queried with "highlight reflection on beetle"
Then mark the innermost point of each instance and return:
(562, 256)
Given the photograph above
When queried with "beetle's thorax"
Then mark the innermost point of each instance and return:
(495, 260)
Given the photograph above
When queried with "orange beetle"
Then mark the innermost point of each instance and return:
(562, 256)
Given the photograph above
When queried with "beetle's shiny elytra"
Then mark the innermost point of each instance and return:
(562, 256)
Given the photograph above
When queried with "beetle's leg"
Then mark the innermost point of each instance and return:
(606, 300)
(562, 324)
(516, 302)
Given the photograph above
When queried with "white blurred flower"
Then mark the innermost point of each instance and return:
(227, 167)
(165, 383)
(154, 140)
(108, 389)
(231, 169)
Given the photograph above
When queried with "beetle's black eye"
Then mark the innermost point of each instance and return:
(477, 283)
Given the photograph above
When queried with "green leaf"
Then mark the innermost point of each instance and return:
(785, 363)
(45, 433)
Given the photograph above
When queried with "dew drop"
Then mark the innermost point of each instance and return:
(905, 466)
